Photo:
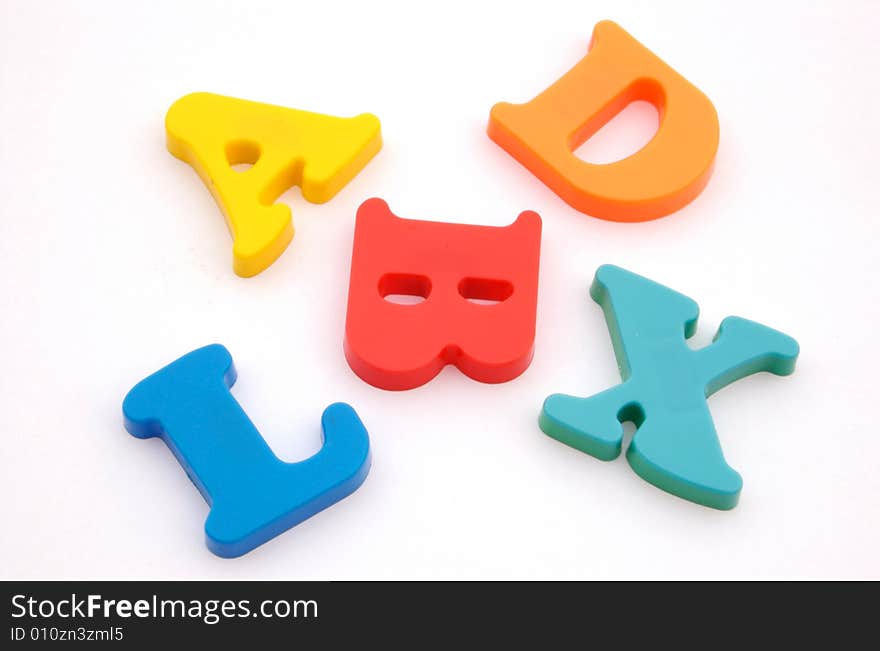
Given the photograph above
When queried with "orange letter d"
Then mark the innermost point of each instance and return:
(665, 175)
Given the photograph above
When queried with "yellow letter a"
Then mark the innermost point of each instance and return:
(286, 147)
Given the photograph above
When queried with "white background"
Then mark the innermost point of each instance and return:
(114, 260)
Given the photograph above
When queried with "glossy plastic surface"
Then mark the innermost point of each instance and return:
(254, 496)
(665, 387)
(665, 175)
(478, 292)
(285, 147)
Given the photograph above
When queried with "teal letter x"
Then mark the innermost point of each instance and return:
(665, 386)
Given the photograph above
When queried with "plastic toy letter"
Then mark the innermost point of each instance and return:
(474, 292)
(665, 386)
(253, 495)
(286, 147)
(665, 175)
